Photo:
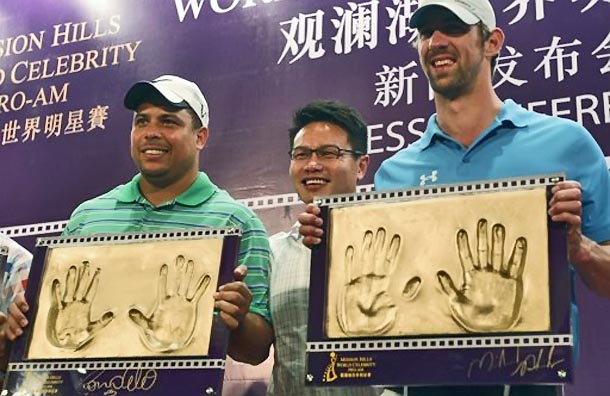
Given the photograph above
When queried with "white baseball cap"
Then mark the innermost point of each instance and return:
(176, 90)
(469, 11)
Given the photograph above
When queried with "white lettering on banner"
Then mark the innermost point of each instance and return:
(13, 102)
(218, 9)
(521, 6)
(357, 26)
(70, 32)
(31, 129)
(591, 4)
(54, 96)
(73, 63)
(303, 36)
(44, 97)
(391, 84)
(97, 117)
(182, 9)
(539, 8)
(556, 52)
(9, 132)
(54, 125)
(603, 46)
(505, 66)
(75, 122)
(397, 135)
(21, 44)
(582, 108)
(391, 137)
(400, 16)
(217, 6)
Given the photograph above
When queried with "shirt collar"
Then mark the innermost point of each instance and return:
(511, 114)
(201, 190)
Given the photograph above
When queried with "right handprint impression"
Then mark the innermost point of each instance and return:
(171, 323)
(491, 296)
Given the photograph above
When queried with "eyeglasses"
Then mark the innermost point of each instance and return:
(326, 153)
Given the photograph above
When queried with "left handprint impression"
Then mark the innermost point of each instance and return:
(365, 306)
(69, 324)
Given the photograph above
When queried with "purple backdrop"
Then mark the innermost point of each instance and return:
(64, 67)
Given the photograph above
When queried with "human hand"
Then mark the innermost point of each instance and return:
(3, 347)
(16, 320)
(69, 324)
(233, 299)
(365, 306)
(566, 206)
(311, 226)
(491, 295)
(171, 324)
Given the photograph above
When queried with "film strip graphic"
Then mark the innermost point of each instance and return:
(260, 203)
(54, 227)
(265, 202)
(442, 343)
(138, 237)
(191, 364)
(441, 190)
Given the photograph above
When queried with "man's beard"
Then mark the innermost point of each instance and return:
(458, 83)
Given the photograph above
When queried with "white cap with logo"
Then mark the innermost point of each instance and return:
(469, 11)
(176, 90)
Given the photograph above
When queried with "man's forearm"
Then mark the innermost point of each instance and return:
(250, 342)
(593, 265)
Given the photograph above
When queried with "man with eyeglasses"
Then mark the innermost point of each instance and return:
(328, 142)
(476, 136)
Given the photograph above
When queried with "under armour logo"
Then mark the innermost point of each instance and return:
(432, 177)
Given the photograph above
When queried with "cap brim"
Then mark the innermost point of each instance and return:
(459, 11)
(142, 91)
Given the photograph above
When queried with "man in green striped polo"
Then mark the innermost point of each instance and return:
(170, 128)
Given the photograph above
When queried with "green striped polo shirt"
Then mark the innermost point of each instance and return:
(203, 204)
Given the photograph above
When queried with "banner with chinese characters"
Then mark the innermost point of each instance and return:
(65, 67)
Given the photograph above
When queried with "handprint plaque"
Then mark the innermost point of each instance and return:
(468, 278)
(108, 297)
(115, 312)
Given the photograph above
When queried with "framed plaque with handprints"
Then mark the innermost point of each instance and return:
(448, 284)
(125, 313)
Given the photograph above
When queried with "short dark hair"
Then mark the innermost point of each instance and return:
(336, 113)
(195, 120)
